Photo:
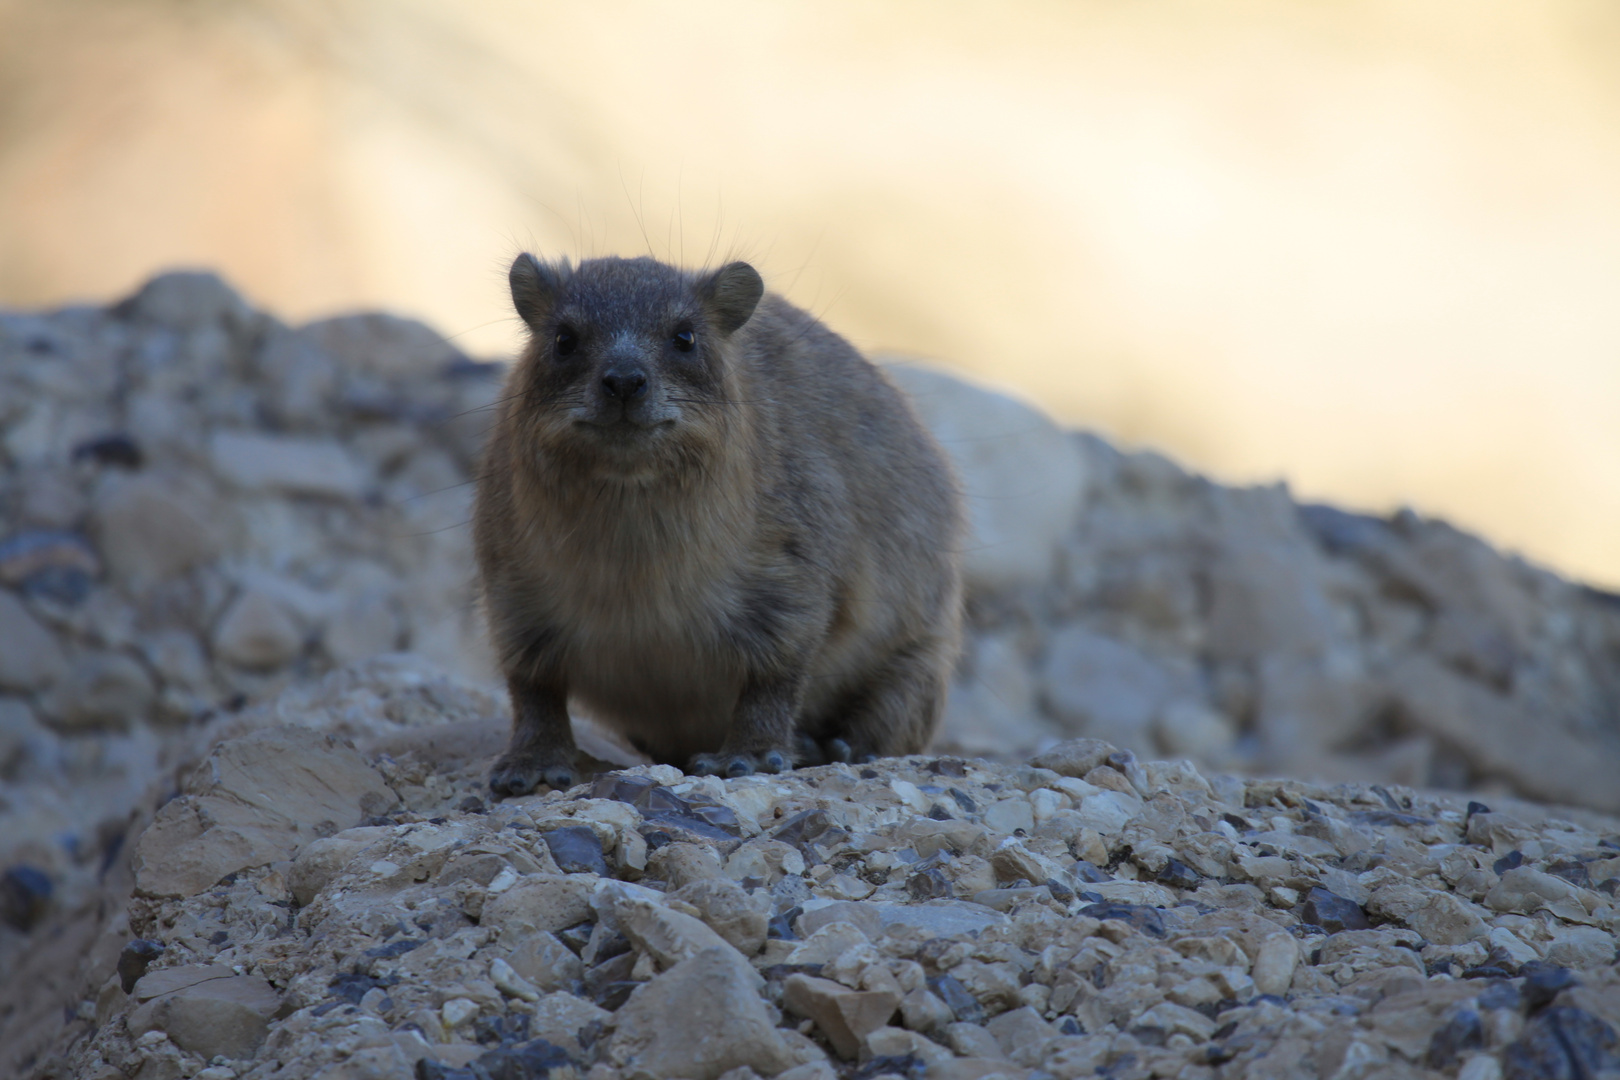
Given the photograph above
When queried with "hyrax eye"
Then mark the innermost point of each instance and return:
(566, 341)
(683, 340)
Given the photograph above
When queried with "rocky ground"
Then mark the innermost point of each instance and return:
(241, 680)
(332, 895)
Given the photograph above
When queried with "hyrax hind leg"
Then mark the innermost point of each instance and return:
(896, 711)
(542, 747)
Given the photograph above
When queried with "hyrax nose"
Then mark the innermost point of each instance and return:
(624, 384)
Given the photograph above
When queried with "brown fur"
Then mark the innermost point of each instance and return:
(751, 550)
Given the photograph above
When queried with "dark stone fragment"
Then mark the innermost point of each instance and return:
(659, 798)
(218, 937)
(615, 994)
(1508, 862)
(612, 944)
(627, 789)
(472, 804)
(1462, 1032)
(394, 948)
(532, 1060)
(656, 838)
(1477, 808)
(953, 993)
(501, 1030)
(49, 563)
(1225, 1030)
(1237, 821)
(1500, 958)
(25, 897)
(433, 1069)
(1332, 912)
(1070, 1026)
(1090, 872)
(350, 988)
(133, 959)
(1561, 1044)
(948, 766)
(1178, 875)
(1388, 817)
(805, 825)
(577, 850)
(719, 818)
(780, 926)
(576, 936)
(118, 449)
(1150, 1036)
(686, 827)
(1485, 971)
(928, 885)
(588, 1034)
(606, 974)
(962, 800)
(869, 774)
(910, 1066)
(1146, 919)
(1499, 995)
(1060, 892)
(1571, 871)
(63, 584)
(1389, 800)
(1543, 982)
(939, 813)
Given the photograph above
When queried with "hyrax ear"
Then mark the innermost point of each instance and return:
(731, 293)
(535, 287)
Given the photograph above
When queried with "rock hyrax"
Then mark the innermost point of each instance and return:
(706, 520)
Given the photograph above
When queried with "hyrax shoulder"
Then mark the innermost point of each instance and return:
(705, 519)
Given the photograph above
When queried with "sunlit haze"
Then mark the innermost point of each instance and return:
(1369, 248)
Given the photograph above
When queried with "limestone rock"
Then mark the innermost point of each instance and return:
(700, 1019)
(255, 800)
(729, 912)
(379, 344)
(1075, 757)
(539, 902)
(323, 859)
(668, 936)
(298, 465)
(149, 527)
(845, 1016)
(32, 658)
(1023, 478)
(256, 632)
(207, 1010)
(1100, 686)
(102, 690)
(188, 300)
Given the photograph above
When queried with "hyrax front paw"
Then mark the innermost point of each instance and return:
(520, 773)
(731, 764)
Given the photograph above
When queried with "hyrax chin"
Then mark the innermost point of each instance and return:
(705, 519)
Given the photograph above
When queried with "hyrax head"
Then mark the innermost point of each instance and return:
(627, 361)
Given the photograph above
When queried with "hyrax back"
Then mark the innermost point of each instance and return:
(708, 521)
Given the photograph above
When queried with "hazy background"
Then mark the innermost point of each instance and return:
(1369, 247)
